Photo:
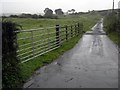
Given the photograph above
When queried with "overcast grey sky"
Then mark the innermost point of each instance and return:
(37, 6)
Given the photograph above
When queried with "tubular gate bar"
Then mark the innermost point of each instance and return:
(36, 42)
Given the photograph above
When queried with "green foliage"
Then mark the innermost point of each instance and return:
(112, 26)
(59, 12)
(10, 69)
(111, 23)
(48, 13)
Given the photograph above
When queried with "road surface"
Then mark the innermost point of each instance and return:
(92, 63)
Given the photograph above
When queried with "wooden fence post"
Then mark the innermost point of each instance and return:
(75, 30)
(66, 32)
(78, 28)
(71, 31)
(81, 27)
(57, 35)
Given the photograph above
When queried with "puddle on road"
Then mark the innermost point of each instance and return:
(96, 46)
(92, 44)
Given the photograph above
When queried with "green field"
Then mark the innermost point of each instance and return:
(28, 68)
(29, 23)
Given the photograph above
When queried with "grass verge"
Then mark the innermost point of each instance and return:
(28, 68)
(115, 37)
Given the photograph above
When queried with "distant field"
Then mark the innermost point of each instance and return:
(30, 23)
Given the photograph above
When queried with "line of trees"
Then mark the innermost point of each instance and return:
(23, 15)
(48, 13)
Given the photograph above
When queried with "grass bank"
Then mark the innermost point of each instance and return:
(115, 37)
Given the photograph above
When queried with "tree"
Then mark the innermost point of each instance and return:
(24, 15)
(46, 9)
(69, 11)
(35, 16)
(48, 13)
(11, 75)
(73, 10)
(40, 16)
(59, 12)
(13, 16)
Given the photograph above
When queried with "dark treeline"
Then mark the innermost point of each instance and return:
(24, 15)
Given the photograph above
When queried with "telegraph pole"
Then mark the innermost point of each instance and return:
(113, 6)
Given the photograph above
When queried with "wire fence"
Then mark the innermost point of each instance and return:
(35, 42)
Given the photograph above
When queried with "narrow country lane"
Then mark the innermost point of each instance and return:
(92, 63)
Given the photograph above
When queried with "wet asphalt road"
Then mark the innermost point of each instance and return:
(92, 63)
